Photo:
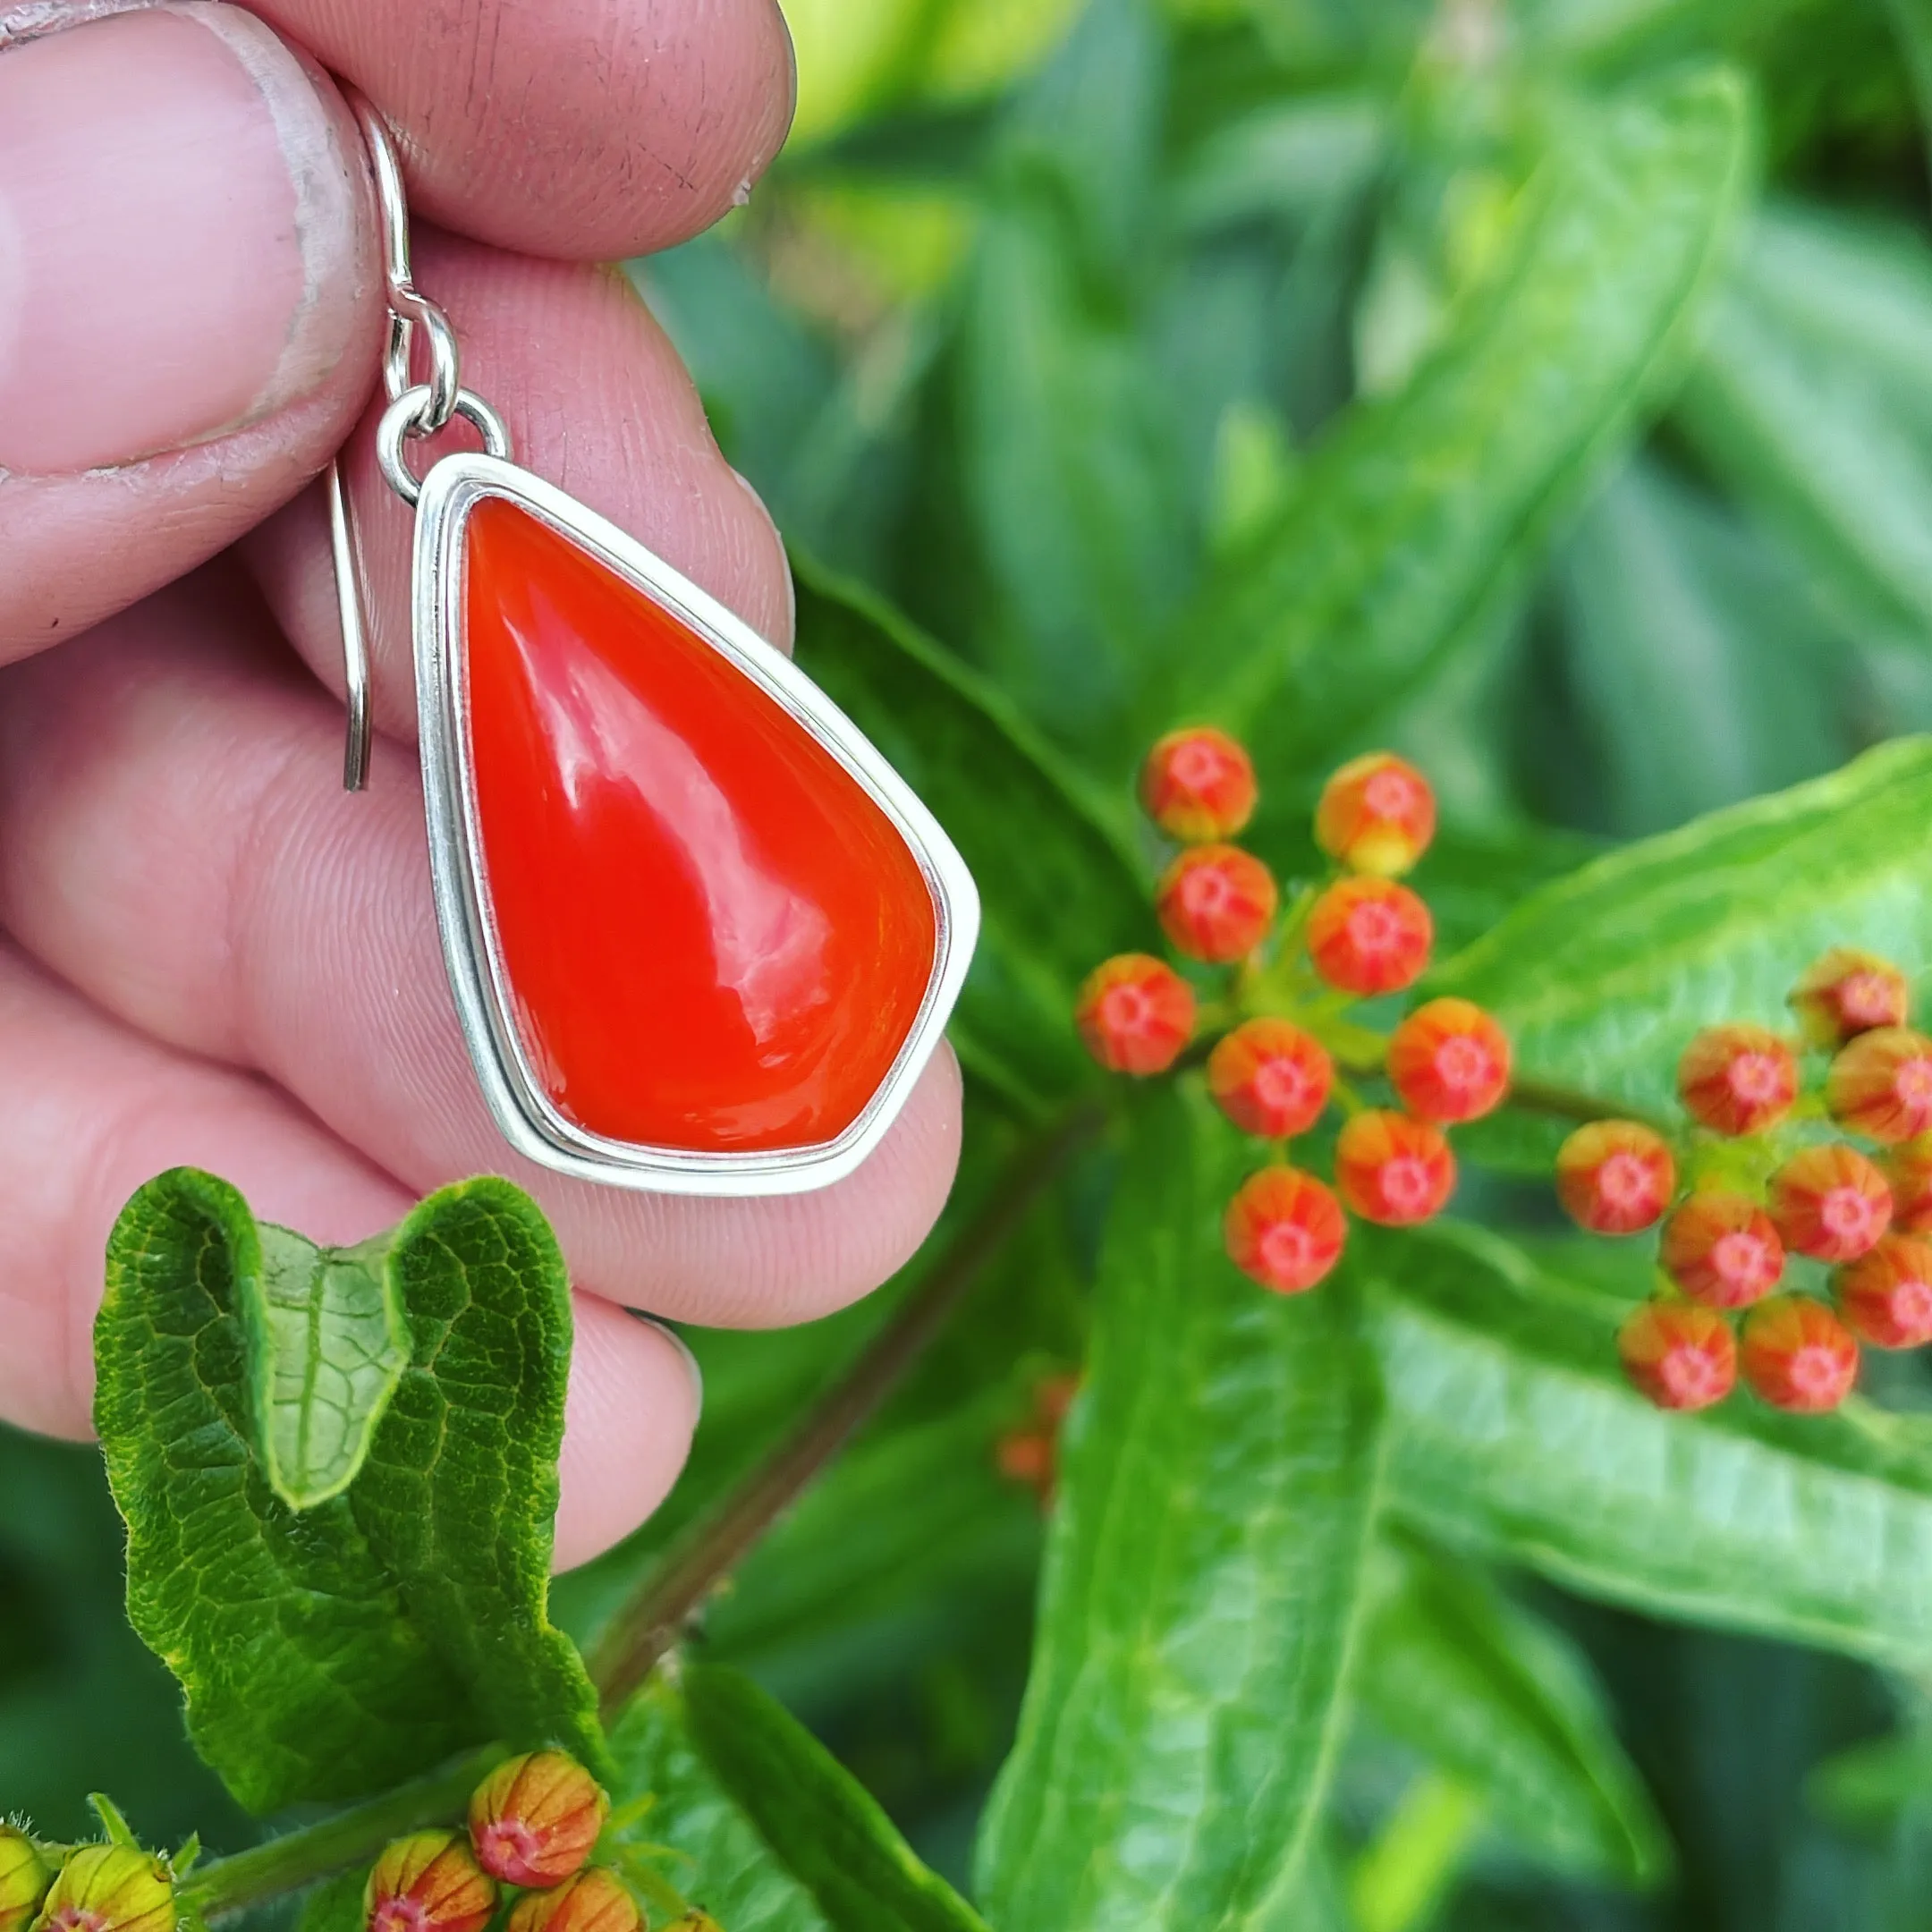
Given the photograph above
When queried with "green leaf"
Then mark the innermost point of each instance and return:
(305, 1678)
(1060, 888)
(829, 1834)
(327, 1345)
(1203, 1580)
(1512, 1431)
(1419, 511)
(1507, 1705)
(459, 1492)
(336, 1905)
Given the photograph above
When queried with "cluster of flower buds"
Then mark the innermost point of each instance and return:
(1747, 1191)
(91, 1888)
(1030, 1453)
(1289, 977)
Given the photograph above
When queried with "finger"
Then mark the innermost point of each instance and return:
(173, 840)
(90, 1111)
(582, 128)
(598, 401)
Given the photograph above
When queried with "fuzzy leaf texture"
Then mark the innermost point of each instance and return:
(1418, 511)
(1204, 1577)
(1512, 1431)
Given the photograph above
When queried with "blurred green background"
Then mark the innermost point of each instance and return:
(1035, 318)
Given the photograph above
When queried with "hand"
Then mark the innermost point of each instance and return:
(209, 952)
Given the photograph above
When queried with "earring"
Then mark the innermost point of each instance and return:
(701, 938)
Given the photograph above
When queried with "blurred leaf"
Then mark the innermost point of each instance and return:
(1864, 1788)
(1404, 1875)
(1291, 159)
(1512, 1430)
(1416, 511)
(337, 1904)
(1203, 1577)
(827, 1832)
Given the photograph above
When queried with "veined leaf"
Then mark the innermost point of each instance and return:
(1416, 511)
(1203, 1580)
(1512, 1429)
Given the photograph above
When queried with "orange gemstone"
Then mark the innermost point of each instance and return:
(715, 939)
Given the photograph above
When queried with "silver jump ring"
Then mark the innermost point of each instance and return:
(404, 418)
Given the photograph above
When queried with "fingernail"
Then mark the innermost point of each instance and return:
(683, 1348)
(178, 235)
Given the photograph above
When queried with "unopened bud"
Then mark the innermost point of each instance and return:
(1881, 1085)
(1370, 936)
(1449, 1060)
(430, 1882)
(1199, 784)
(1798, 1355)
(1377, 814)
(1393, 1170)
(1135, 1014)
(534, 1818)
(1738, 1080)
(109, 1888)
(1722, 1249)
(1886, 1296)
(1270, 1078)
(1847, 993)
(1680, 1355)
(594, 1901)
(1907, 1172)
(1615, 1177)
(1284, 1229)
(1830, 1203)
(24, 1878)
(1216, 903)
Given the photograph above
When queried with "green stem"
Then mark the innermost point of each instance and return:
(651, 1620)
(352, 1837)
(1566, 1103)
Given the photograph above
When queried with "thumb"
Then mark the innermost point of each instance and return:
(188, 296)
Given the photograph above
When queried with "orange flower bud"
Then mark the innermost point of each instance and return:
(1798, 1355)
(1369, 936)
(1830, 1203)
(1449, 1060)
(1739, 1079)
(24, 1878)
(1135, 1014)
(1886, 1296)
(534, 1818)
(1722, 1249)
(1199, 784)
(1680, 1355)
(1615, 1177)
(1908, 1171)
(594, 1901)
(1283, 1229)
(1270, 1078)
(1216, 903)
(1393, 1170)
(1881, 1084)
(1847, 993)
(1377, 814)
(430, 1882)
(109, 1888)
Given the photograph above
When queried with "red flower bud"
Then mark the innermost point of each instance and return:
(1615, 1177)
(1369, 936)
(1798, 1355)
(1135, 1014)
(1908, 1170)
(1722, 1249)
(1199, 784)
(1393, 1170)
(1886, 1296)
(430, 1882)
(594, 1901)
(1283, 1229)
(1678, 1354)
(24, 1878)
(534, 1818)
(1216, 903)
(1449, 1060)
(1377, 814)
(109, 1888)
(1847, 993)
(1881, 1084)
(1270, 1078)
(1739, 1080)
(1830, 1203)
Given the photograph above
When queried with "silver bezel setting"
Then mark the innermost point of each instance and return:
(520, 1107)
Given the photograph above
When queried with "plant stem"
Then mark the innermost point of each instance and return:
(1534, 1097)
(352, 1837)
(651, 1621)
